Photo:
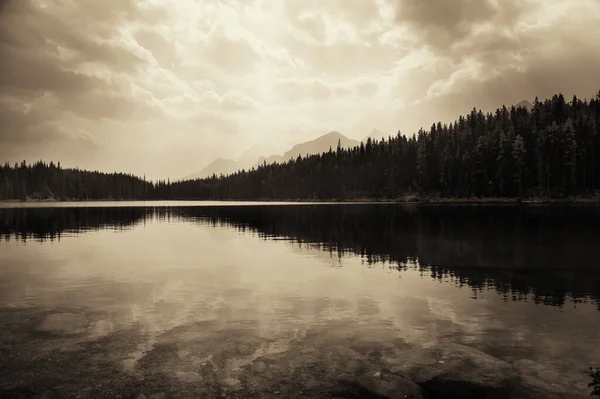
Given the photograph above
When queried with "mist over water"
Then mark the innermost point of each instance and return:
(197, 297)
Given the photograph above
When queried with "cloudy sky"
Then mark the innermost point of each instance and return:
(163, 87)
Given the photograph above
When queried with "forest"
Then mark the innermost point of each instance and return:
(549, 151)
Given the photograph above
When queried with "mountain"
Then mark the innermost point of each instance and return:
(524, 104)
(218, 166)
(270, 159)
(375, 134)
(316, 146)
(258, 150)
(248, 159)
(319, 145)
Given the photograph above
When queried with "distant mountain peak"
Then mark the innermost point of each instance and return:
(316, 146)
(218, 166)
(524, 104)
(319, 145)
(333, 135)
(375, 134)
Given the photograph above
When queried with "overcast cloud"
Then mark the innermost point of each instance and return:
(164, 87)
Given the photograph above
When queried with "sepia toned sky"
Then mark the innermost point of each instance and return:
(164, 87)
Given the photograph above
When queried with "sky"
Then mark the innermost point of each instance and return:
(163, 87)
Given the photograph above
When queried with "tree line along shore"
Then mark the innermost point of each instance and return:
(549, 152)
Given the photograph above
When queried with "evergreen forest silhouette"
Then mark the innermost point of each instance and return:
(549, 151)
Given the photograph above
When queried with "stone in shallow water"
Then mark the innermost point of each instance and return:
(534, 388)
(453, 370)
(64, 323)
(189, 376)
(537, 381)
(231, 382)
(528, 366)
(390, 385)
(342, 360)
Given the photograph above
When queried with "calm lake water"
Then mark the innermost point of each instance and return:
(232, 300)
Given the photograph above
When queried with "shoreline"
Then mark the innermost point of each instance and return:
(401, 200)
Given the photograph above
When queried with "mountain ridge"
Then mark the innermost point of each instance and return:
(316, 146)
(524, 104)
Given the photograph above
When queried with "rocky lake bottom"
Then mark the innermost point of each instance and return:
(50, 356)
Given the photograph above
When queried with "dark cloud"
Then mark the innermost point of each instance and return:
(32, 131)
(44, 49)
(492, 52)
(31, 73)
(543, 75)
(443, 22)
(461, 29)
(17, 121)
(110, 105)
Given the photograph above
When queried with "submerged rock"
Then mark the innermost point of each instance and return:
(64, 323)
(456, 371)
(390, 385)
(231, 382)
(340, 360)
(538, 381)
(188, 376)
(535, 388)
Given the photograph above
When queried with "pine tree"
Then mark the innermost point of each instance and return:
(518, 154)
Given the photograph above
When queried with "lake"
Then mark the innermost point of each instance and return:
(160, 300)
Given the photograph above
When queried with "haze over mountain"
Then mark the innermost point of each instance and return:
(320, 144)
(316, 146)
(375, 134)
(525, 104)
(251, 158)
(218, 166)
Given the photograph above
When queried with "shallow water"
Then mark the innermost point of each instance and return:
(248, 301)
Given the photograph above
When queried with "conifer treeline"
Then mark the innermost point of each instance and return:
(551, 150)
(42, 180)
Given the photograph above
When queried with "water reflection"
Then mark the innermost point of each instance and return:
(292, 301)
(51, 223)
(547, 254)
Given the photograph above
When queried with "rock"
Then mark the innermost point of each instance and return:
(538, 381)
(527, 366)
(232, 383)
(64, 323)
(534, 388)
(342, 360)
(550, 376)
(188, 376)
(453, 370)
(391, 386)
